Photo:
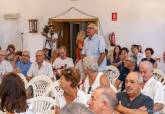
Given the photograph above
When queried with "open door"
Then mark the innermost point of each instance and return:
(67, 30)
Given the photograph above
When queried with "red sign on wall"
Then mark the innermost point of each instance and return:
(114, 16)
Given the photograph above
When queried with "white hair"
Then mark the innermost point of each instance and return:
(148, 64)
(75, 108)
(90, 63)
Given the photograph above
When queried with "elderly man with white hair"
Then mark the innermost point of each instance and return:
(5, 66)
(152, 87)
(94, 45)
(24, 65)
(94, 78)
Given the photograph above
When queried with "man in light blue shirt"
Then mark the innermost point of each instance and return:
(24, 64)
(94, 45)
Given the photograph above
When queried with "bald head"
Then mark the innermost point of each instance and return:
(75, 108)
(103, 100)
(40, 56)
(108, 95)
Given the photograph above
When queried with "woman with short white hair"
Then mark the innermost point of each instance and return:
(94, 78)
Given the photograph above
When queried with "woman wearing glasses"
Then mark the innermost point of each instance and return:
(68, 82)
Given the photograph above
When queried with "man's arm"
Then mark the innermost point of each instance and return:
(104, 81)
(101, 58)
(117, 83)
(125, 110)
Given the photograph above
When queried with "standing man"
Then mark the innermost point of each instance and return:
(152, 87)
(94, 45)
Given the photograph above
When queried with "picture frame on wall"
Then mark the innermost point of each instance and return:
(33, 25)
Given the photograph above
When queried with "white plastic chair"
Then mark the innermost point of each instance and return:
(159, 75)
(42, 104)
(39, 85)
(113, 73)
(53, 89)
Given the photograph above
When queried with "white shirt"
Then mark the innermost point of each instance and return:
(5, 66)
(46, 69)
(55, 36)
(95, 84)
(161, 65)
(81, 98)
(155, 90)
(58, 63)
(139, 56)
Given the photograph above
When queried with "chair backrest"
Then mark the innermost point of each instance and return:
(39, 85)
(112, 72)
(159, 75)
(42, 104)
(53, 89)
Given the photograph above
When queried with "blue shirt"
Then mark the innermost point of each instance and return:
(24, 67)
(94, 47)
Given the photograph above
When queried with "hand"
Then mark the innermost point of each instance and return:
(119, 107)
(143, 108)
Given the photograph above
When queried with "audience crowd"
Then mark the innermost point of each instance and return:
(85, 87)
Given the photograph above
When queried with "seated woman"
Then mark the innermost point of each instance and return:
(116, 56)
(94, 78)
(148, 53)
(68, 82)
(13, 95)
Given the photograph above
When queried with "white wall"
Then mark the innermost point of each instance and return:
(139, 21)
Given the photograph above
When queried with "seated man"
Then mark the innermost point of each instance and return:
(23, 65)
(103, 101)
(40, 66)
(62, 61)
(129, 65)
(152, 87)
(132, 101)
(5, 66)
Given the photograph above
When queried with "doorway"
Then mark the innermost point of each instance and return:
(67, 30)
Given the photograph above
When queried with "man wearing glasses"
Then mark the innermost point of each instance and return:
(24, 65)
(94, 45)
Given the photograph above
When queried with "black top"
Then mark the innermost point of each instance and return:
(138, 102)
(151, 60)
(123, 74)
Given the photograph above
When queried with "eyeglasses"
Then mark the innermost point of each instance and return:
(90, 28)
(25, 55)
